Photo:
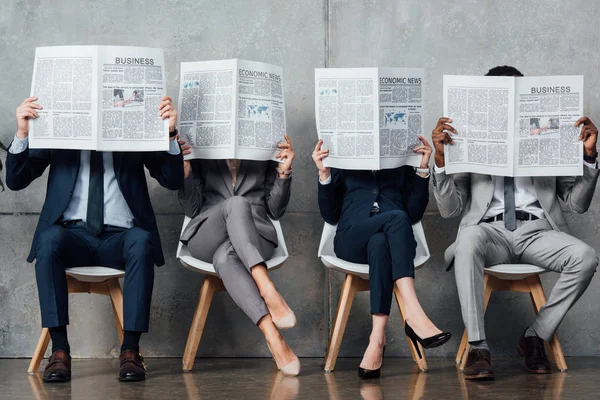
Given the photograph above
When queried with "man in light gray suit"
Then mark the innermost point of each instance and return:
(230, 202)
(515, 220)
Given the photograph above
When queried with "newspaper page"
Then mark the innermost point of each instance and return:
(482, 112)
(65, 81)
(132, 85)
(207, 101)
(547, 140)
(400, 116)
(347, 116)
(99, 98)
(232, 109)
(261, 110)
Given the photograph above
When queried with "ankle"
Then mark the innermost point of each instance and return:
(377, 340)
(267, 290)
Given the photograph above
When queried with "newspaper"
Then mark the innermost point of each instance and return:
(369, 118)
(514, 126)
(99, 98)
(232, 109)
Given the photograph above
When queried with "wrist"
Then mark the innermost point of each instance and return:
(22, 134)
(439, 160)
(324, 175)
(590, 152)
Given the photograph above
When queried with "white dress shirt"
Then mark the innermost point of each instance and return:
(116, 210)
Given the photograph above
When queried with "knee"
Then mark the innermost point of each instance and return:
(585, 260)
(224, 261)
(50, 240)
(137, 241)
(236, 203)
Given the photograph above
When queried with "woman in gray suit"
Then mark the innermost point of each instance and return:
(230, 202)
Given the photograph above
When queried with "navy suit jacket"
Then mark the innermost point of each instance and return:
(351, 194)
(25, 167)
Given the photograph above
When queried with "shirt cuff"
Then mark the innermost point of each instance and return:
(173, 147)
(590, 165)
(326, 181)
(438, 170)
(18, 145)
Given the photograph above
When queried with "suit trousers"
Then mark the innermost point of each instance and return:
(386, 242)
(533, 242)
(230, 241)
(61, 247)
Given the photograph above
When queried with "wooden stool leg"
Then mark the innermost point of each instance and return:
(209, 287)
(538, 298)
(421, 362)
(349, 289)
(462, 349)
(40, 350)
(488, 288)
(116, 297)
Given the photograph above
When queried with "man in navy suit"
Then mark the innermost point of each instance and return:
(97, 212)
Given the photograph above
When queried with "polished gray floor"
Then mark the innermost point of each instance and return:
(258, 379)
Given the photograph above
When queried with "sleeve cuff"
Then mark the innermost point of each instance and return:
(438, 170)
(590, 165)
(18, 145)
(326, 181)
(173, 148)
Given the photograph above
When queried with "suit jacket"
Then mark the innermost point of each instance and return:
(209, 185)
(351, 194)
(25, 167)
(470, 195)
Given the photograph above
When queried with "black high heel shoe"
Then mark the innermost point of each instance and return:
(371, 373)
(427, 343)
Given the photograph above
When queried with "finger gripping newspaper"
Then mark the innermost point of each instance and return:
(99, 98)
(369, 118)
(514, 126)
(232, 109)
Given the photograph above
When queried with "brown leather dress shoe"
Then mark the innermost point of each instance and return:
(58, 368)
(536, 360)
(479, 365)
(133, 368)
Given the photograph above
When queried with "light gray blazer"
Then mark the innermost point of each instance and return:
(470, 195)
(209, 185)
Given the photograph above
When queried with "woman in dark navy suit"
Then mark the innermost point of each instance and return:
(374, 211)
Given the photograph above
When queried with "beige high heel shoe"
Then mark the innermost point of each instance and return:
(290, 369)
(287, 322)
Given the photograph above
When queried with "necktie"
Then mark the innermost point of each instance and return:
(510, 215)
(95, 206)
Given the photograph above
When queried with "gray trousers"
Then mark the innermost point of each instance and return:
(230, 241)
(533, 242)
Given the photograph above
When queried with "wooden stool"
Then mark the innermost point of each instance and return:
(98, 280)
(515, 278)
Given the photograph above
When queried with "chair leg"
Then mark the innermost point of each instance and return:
(538, 297)
(40, 350)
(421, 362)
(462, 349)
(209, 287)
(116, 297)
(349, 289)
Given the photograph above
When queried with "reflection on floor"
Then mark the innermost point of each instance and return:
(258, 379)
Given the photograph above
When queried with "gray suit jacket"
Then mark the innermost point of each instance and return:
(470, 195)
(209, 185)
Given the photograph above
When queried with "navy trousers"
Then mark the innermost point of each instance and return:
(61, 247)
(386, 242)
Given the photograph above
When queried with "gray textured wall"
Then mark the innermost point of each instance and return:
(445, 37)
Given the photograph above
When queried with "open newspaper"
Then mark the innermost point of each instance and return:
(369, 118)
(522, 126)
(232, 109)
(99, 98)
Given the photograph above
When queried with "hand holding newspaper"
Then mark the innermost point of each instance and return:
(369, 118)
(232, 109)
(99, 98)
(514, 126)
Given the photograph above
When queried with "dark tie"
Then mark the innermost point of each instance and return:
(510, 215)
(95, 206)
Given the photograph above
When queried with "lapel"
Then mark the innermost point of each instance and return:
(222, 167)
(241, 175)
(117, 163)
(76, 161)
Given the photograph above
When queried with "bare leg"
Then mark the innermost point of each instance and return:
(281, 351)
(277, 306)
(373, 357)
(415, 316)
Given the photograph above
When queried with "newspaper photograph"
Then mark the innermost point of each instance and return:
(369, 118)
(514, 126)
(99, 98)
(232, 109)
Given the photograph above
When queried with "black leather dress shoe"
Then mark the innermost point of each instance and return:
(58, 368)
(479, 365)
(536, 360)
(133, 368)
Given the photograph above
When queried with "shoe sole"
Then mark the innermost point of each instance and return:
(481, 377)
(532, 371)
(56, 380)
(131, 379)
(438, 343)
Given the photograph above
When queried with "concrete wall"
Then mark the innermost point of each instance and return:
(444, 37)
